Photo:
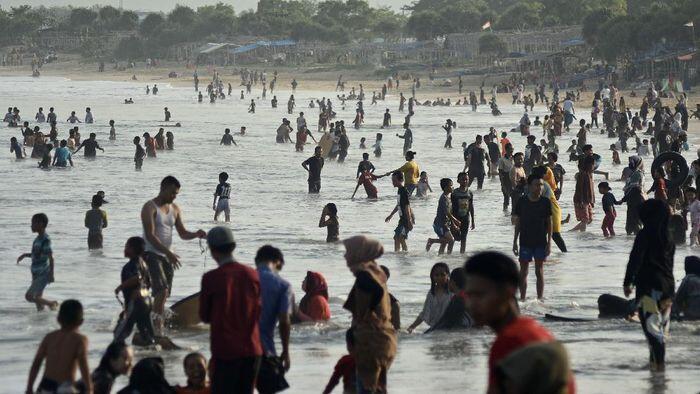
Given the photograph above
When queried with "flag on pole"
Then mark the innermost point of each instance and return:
(689, 24)
(488, 24)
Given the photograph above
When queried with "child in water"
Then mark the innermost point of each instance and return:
(329, 219)
(195, 366)
(609, 202)
(362, 143)
(135, 287)
(17, 149)
(169, 140)
(223, 193)
(112, 131)
(378, 146)
(46, 158)
(140, 153)
(95, 221)
(437, 299)
(64, 350)
(42, 264)
(615, 154)
(345, 368)
(694, 209)
(423, 186)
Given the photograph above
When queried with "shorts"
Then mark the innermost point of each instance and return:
(526, 254)
(94, 240)
(222, 206)
(161, 272)
(401, 231)
(39, 283)
(441, 230)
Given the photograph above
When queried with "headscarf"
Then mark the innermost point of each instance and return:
(549, 178)
(360, 249)
(635, 162)
(541, 368)
(316, 284)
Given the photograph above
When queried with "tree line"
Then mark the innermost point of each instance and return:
(612, 28)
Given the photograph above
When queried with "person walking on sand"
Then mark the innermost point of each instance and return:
(158, 217)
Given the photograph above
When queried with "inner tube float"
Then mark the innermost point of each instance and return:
(679, 163)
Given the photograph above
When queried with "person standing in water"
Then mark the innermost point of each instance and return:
(650, 271)
(42, 264)
(370, 305)
(139, 155)
(222, 193)
(533, 228)
(95, 221)
(91, 145)
(444, 220)
(158, 217)
(277, 304)
(167, 113)
(410, 171)
(313, 166)
(403, 207)
(407, 138)
(230, 301)
(463, 210)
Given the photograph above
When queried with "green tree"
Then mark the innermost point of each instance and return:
(523, 15)
(82, 17)
(182, 16)
(215, 19)
(128, 20)
(151, 24)
(491, 44)
(129, 48)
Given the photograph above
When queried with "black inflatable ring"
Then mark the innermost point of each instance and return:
(677, 160)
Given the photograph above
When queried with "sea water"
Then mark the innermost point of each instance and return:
(270, 204)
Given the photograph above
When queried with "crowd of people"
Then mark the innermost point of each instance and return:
(244, 305)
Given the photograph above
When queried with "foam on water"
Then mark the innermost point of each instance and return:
(270, 205)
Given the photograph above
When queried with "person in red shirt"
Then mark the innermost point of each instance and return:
(365, 179)
(314, 305)
(230, 302)
(492, 283)
(345, 368)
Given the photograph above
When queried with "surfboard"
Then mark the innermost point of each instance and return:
(326, 142)
(553, 317)
(186, 312)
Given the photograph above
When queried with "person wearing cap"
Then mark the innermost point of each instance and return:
(158, 217)
(410, 171)
(230, 301)
(95, 221)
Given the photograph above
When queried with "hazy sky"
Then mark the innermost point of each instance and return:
(165, 5)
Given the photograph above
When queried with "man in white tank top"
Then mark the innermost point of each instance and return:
(158, 217)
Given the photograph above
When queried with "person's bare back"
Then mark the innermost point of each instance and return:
(63, 350)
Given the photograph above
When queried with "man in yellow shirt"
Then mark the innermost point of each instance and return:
(411, 172)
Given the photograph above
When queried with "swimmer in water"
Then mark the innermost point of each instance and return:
(112, 131)
(329, 220)
(167, 113)
(227, 138)
(17, 148)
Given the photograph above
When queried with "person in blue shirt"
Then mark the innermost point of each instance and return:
(42, 264)
(277, 305)
(62, 156)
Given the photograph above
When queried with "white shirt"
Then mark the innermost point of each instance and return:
(569, 106)
(605, 93)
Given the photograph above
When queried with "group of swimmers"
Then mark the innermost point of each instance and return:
(480, 293)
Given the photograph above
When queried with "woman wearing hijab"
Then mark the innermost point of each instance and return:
(549, 191)
(650, 272)
(634, 194)
(687, 302)
(314, 305)
(148, 376)
(370, 305)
